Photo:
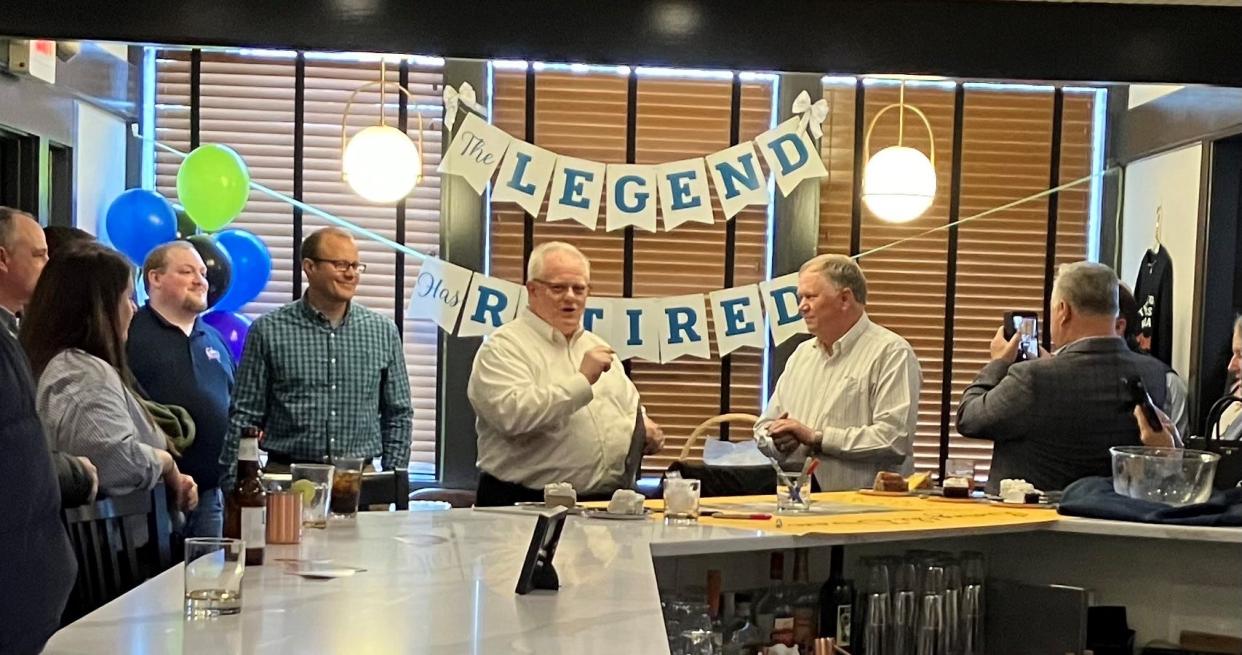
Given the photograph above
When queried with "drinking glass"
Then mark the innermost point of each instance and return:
(931, 611)
(681, 501)
(905, 616)
(697, 642)
(973, 606)
(213, 576)
(793, 494)
(960, 468)
(315, 492)
(952, 606)
(346, 486)
(876, 606)
(284, 517)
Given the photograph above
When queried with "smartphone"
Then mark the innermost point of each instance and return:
(1140, 397)
(1027, 325)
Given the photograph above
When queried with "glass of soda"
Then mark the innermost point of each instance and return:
(346, 486)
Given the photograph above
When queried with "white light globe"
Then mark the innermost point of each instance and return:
(381, 164)
(899, 184)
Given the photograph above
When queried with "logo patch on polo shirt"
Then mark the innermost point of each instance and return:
(212, 354)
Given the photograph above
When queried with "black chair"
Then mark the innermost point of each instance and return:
(385, 488)
(105, 536)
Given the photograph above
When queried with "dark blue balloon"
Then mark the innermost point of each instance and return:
(233, 327)
(138, 221)
(252, 268)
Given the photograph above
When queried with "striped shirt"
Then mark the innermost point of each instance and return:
(320, 391)
(863, 395)
(87, 411)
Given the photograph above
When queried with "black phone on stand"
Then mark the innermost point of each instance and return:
(1026, 324)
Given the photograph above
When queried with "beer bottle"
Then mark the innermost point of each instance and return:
(245, 508)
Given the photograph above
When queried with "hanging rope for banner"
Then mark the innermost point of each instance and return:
(989, 212)
(374, 236)
(310, 209)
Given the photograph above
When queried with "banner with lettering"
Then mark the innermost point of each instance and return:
(674, 193)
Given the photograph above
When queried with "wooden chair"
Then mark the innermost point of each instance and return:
(724, 480)
(385, 488)
(105, 536)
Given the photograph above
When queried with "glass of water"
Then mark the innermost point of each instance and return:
(213, 576)
(681, 501)
(314, 482)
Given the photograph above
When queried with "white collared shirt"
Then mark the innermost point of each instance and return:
(863, 396)
(539, 420)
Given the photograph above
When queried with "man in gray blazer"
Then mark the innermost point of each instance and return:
(1053, 419)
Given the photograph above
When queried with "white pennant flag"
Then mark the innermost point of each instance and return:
(631, 197)
(475, 152)
(738, 317)
(598, 318)
(490, 304)
(780, 303)
(636, 328)
(683, 328)
(790, 154)
(439, 293)
(524, 176)
(738, 178)
(576, 184)
(684, 194)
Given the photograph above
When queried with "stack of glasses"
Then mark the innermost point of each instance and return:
(926, 603)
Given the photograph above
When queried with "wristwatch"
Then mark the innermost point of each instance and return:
(817, 441)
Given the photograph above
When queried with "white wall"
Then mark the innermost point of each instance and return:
(98, 165)
(1169, 181)
(1144, 93)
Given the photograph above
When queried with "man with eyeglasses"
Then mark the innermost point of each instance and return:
(179, 360)
(552, 400)
(323, 376)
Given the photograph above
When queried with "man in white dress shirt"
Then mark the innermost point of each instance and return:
(552, 400)
(850, 395)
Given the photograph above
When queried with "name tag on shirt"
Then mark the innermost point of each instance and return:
(212, 354)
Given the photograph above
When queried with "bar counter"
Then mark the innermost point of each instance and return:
(443, 583)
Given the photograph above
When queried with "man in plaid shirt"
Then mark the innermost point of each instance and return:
(323, 376)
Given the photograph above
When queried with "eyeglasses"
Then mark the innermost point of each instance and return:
(558, 289)
(341, 265)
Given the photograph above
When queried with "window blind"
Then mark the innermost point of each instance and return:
(247, 103)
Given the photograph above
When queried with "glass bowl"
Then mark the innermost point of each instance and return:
(1164, 475)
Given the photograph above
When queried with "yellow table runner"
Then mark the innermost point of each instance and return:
(907, 514)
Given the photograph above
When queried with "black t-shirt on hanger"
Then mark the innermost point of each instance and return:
(1154, 293)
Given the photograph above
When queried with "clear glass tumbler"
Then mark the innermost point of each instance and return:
(213, 576)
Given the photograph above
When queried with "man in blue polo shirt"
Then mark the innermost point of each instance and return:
(178, 359)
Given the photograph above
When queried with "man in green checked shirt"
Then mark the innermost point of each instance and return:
(323, 376)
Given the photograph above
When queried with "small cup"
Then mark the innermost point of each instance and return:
(213, 576)
(284, 517)
(795, 497)
(314, 503)
(346, 486)
(681, 501)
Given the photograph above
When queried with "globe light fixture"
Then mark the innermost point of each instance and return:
(381, 163)
(899, 182)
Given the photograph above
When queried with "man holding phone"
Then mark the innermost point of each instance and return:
(1053, 419)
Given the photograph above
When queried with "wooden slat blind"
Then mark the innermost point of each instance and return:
(247, 103)
(1006, 141)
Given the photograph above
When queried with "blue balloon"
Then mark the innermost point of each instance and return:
(138, 221)
(233, 327)
(252, 268)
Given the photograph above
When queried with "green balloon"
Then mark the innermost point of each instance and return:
(213, 185)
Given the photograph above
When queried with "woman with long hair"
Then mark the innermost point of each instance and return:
(74, 333)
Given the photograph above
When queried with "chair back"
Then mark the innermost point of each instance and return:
(118, 542)
(716, 481)
(385, 488)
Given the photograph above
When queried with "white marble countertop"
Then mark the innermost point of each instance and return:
(443, 583)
